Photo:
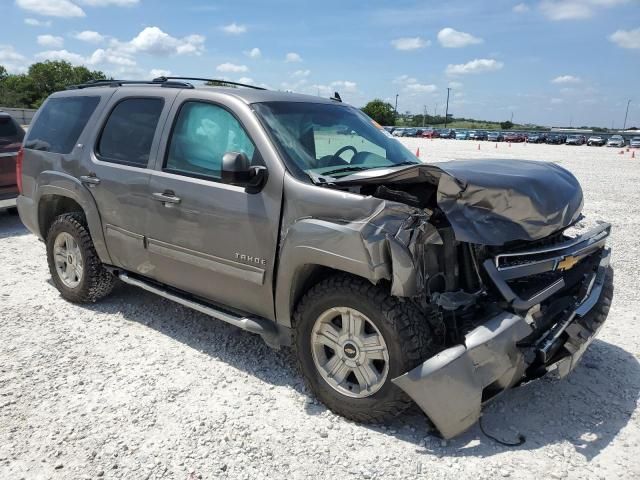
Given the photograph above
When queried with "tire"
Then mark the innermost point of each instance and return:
(405, 331)
(91, 280)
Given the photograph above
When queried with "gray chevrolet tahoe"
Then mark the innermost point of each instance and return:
(392, 279)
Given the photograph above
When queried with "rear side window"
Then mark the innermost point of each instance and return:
(60, 123)
(128, 134)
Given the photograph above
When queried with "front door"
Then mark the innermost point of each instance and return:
(124, 148)
(204, 236)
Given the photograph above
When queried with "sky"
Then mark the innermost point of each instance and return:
(547, 62)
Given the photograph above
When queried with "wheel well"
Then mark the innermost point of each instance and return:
(309, 275)
(52, 206)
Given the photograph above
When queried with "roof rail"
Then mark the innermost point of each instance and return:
(216, 80)
(118, 83)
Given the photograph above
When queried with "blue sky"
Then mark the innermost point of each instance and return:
(546, 61)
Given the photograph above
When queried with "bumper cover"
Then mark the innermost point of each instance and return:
(452, 386)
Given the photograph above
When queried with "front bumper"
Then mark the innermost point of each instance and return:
(452, 386)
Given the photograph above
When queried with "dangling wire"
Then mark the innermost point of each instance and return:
(521, 438)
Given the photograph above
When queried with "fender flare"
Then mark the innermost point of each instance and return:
(64, 185)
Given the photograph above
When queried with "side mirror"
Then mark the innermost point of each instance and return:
(237, 170)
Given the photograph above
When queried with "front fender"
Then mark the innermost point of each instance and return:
(64, 185)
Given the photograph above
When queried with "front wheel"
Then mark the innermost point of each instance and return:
(74, 265)
(351, 339)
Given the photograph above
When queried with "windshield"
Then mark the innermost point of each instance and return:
(330, 140)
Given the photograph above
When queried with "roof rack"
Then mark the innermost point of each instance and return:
(119, 83)
(216, 80)
(168, 82)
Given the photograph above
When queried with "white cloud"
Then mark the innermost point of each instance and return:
(455, 85)
(565, 79)
(159, 72)
(50, 41)
(404, 79)
(65, 55)
(154, 41)
(556, 101)
(234, 29)
(302, 73)
(479, 65)
(450, 38)
(420, 88)
(246, 80)
(32, 22)
(521, 8)
(108, 3)
(13, 61)
(52, 8)
(345, 86)
(253, 53)
(409, 43)
(89, 36)
(626, 38)
(232, 68)
(108, 56)
(292, 57)
(575, 9)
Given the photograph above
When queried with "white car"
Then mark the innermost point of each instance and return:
(635, 142)
(615, 141)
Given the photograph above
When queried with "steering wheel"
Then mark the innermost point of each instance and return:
(344, 149)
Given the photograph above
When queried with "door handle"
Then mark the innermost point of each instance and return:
(90, 179)
(166, 197)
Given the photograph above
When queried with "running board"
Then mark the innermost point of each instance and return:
(267, 329)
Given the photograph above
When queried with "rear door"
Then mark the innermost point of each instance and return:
(124, 146)
(206, 237)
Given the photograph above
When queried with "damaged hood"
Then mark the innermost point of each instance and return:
(491, 202)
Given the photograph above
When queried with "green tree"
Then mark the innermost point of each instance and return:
(382, 112)
(42, 79)
(506, 125)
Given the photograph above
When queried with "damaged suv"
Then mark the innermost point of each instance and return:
(392, 279)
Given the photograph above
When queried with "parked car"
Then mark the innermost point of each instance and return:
(477, 135)
(382, 272)
(495, 136)
(462, 135)
(430, 133)
(11, 135)
(616, 141)
(537, 138)
(389, 129)
(635, 142)
(398, 132)
(556, 139)
(514, 137)
(411, 132)
(575, 140)
(447, 133)
(596, 140)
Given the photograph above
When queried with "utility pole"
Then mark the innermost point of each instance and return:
(435, 111)
(395, 109)
(446, 112)
(424, 115)
(624, 125)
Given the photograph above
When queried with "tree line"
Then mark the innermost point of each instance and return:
(30, 89)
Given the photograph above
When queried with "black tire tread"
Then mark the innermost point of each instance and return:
(98, 281)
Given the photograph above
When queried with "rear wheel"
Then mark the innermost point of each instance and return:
(73, 262)
(351, 339)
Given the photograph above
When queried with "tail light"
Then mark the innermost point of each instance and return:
(19, 160)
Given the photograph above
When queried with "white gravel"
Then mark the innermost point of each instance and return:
(136, 387)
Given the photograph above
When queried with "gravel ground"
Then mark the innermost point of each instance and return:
(137, 387)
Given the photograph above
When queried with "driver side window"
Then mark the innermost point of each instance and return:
(202, 134)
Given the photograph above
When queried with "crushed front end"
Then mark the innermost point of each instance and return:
(540, 306)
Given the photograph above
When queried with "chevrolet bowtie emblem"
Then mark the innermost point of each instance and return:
(567, 263)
